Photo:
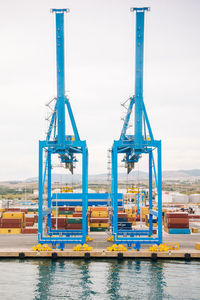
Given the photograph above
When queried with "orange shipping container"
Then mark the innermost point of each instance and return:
(99, 209)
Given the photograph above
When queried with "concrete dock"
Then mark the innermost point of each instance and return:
(20, 246)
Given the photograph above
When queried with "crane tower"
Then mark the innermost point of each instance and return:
(141, 142)
(66, 147)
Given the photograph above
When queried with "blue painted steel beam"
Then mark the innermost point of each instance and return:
(139, 8)
(44, 176)
(40, 183)
(60, 10)
(153, 212)
(154, 169)
(150, 194)
(52, 123)
(147, 121)
(79, 203)
(61, 239)
(84, 192)
(49, 191)
(159, 189)
(115, 188)
(133, 232)
(73, 144)
(60, 77)
(91, 196)
(70, 232)
(127, 118)
(136, 240)
(139, 50)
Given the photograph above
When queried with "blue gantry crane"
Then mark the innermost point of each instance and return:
(134, 146)
(66, 147)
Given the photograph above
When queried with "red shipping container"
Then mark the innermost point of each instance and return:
(122, 215)
(25, 210)
(29, 224)
(13, 209)
(70, 208)
(177, 221)
(59, 227)
(62, 208)
(99, 220)
(178, 226)
(13, 221)
(30, 219)
(77, 214)
(36, 218)
(177, 215)
(74, 226)
(59, 221)
(194, 216)
(10, 225)
(30, 230)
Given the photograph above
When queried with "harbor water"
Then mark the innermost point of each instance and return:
(99, 279)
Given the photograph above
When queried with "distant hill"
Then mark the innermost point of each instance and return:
(181, 174)
(134, 175)
(194, 172)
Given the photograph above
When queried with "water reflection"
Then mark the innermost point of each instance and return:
(114, 279)
(46, 271)
(70, 278)
(85, 281)
(137, 266)
(157, 281)
(88, 279)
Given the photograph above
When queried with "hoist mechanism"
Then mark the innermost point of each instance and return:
(66, 147)
(133, 146)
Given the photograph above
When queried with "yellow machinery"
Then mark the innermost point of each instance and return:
(83, 247)
(132, 190)
(66, 189)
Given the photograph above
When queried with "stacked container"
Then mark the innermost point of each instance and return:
(145, 211)
(66, 211)
(58, 223)
(32, 211)
(67, 218)
(155, 221)
(131, 215)
(74, 222)
(99, 219)
(176, 223)
(123, 221)
(31, 219)
(12, 222)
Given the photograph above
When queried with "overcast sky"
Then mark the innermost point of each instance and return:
(99, 76)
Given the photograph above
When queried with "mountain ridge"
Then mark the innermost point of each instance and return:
(135, 175)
